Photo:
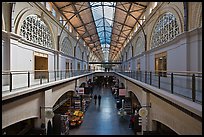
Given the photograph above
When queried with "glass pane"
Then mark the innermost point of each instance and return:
(103, 16)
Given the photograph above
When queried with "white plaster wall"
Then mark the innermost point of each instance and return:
(142, 63)
(22, 59)
(50, 61)
(22, 109)
(172, 117)
(62, 64)
(136, 90)
(52, 95)
(176, 54)
(176, 58)
(5, 57)
(151, 62)
(195, 48)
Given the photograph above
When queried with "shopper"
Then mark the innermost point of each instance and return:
(95, 97)
(99, 100)
(67, 126)
(132, 120)
(49, 128)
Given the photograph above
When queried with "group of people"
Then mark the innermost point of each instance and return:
(99, 99)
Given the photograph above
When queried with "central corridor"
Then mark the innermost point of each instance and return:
(103, 119)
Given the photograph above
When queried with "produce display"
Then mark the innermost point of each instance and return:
(75, 117)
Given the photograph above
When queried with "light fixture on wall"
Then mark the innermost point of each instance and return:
(48, 112)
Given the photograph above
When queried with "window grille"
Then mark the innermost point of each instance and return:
(165, 30)
(36, 31)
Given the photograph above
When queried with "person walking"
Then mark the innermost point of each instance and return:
(99, 100)
(95, 97)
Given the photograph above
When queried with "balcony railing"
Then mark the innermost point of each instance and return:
(14, 80)
(186, 84)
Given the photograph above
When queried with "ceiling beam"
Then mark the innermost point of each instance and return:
(64, 6)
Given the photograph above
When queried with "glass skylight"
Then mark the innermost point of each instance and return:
(103, 13)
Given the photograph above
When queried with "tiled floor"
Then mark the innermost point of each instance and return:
(103, 119)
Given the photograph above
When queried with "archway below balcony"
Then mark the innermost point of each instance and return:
(64, 103)
(135, 104)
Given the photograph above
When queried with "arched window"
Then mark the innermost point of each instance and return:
(66, 47)
(78, 52)
(36, 31)
(139, 46)
(165, 30)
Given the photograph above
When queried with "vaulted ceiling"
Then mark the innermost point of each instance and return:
(104, 26)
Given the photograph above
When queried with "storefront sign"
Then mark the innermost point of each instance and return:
(122, 92)
(80, 90)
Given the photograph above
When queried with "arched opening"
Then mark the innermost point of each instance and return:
(132, 103)
(135, 104)
(64, 103)
(25, 127)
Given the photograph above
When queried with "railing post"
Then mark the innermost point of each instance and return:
(28, 79)
(134, 74)
(172, 83)
(71, 74)
(67, 73)
(48, 77)
(137, 75)
(145, 76)
(159, 80)
(61, 74)
(193, 87)
(131, 74)
(55, 75)
(10, 81)
(140, 75)
(41, 78)
(150, 78)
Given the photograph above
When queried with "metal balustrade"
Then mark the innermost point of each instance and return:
(186, 84)
(14, 80)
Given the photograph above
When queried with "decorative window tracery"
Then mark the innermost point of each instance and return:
(165, 30)
(66, 47)
(36, 31)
